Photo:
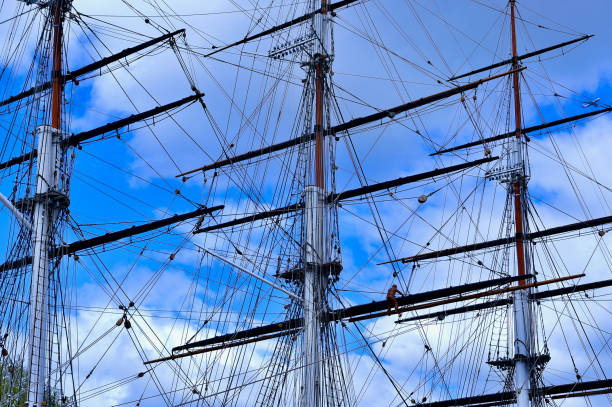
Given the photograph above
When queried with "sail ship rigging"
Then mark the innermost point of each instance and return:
(276, 204)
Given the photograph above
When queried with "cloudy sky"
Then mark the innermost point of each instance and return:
(385, 53)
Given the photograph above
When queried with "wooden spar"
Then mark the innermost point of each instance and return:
(504, 241)
(577, 387)
(564, 390)
(297, 20)
(467, 297)
(353, 193)
(581, 394)
(223, 347)
(79, 245)
(571, 289)
(73, 75)
(87, 135)
(505, 301)
(381, 186)
(134, 230)
(258, 216)
(461, 310)
(348, 312)
(351, 124)
(75, 139)
(525, 131)
(261, 333)
(521, 57)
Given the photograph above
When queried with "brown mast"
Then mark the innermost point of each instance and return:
(319, 93)
(56, 73)
(319, 176)
(518, 185)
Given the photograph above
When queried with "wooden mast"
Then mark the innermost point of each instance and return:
(518, 184)
(320, 61)
(56, 73)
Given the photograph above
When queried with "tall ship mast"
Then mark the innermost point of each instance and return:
(315, 203)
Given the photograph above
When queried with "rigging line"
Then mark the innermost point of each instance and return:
(192, 84)
(187, 271)
(306, 17)
(385, 371)
(357, 347)
(158, 27)
(147, 163)
(248, 121)
(179, 369)
(235, 85)
(545, 152)
(429, 37)
(132, 174)
(141, 353)
(120, 202)
(80, 14)
(395, 233)
(118, 284)
(478, 44)
(579, 196)
(357, 122)
(574, 319)
(573, 32)
(351, 28)
(128, 96)
(526, 130)
(96, 364)
(386, 61)
(19, 15)
(580, 149)
(263, 280)
(212, 13)
(525, 56)
(398, 390)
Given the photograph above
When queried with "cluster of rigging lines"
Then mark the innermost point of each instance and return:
(306, 336)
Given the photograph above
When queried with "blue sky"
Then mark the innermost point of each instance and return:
(122, 182)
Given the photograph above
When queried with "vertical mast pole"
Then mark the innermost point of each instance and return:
(56, 72)
(522, 313)
(44, 217)
(320, 64)
(314, 225)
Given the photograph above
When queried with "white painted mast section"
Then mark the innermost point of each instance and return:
(250, 273)
(522, 348)
(9, 205)
(523, 328)
(314, 255)
(44, 216)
